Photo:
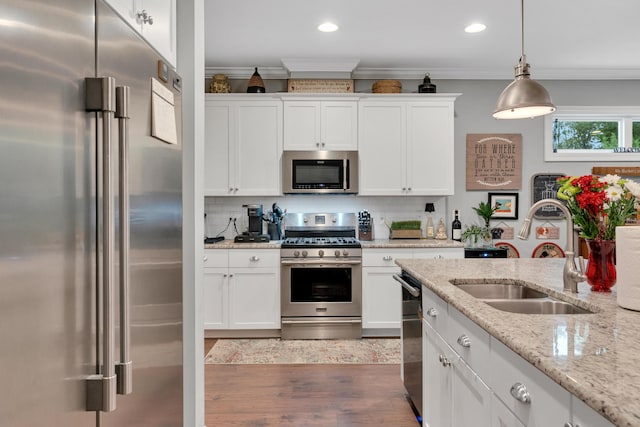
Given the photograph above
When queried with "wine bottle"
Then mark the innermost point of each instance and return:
(456, 227)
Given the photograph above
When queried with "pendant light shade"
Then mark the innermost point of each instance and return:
(524, 97)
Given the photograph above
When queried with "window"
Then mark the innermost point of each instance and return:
(592, 134)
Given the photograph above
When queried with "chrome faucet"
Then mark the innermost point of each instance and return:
(570, 275)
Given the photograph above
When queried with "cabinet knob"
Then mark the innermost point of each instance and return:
(224, 275)
(464, 341)
(387, 258)
(520, 393)
(231, 275)
(409, 189)
(254, 258)
(438, 257)
(404, 188)
(144, 17)
(432, 312)
(317, 144)
(205, 259)
(235, 189)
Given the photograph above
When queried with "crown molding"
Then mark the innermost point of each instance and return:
(363, 73)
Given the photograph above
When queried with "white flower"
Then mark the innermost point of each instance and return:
(609, 179)
(633, 187)
(614, 192)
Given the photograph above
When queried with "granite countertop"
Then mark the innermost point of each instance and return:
(595, 356)
(378, 243)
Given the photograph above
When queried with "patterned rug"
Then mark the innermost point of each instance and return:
(277, 351)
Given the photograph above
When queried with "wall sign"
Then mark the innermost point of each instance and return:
(494, 161)
(545, 186)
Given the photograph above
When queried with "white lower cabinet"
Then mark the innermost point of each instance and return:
(454, 395)
(381, 295)
(242, 289)
(472, 379)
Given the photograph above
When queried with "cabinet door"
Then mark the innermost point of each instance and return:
(471, 397)
(381, 299)
(218, 133)
(502, 417)
(436, 380)
(128, 11)
(256, 151)
(430, 163)
(254, 298)
(162, 33)
(302, 125)
(215, 297)
(382, 148)
(339, 125)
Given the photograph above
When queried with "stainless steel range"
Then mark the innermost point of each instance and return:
(321, 296)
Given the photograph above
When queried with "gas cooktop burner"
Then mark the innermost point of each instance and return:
(327, 242)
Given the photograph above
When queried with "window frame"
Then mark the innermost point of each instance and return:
(624, 115)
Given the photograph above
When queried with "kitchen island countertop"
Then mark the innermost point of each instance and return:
(596, 357)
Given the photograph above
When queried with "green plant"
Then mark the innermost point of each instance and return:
(406, 225)
(474, 233)
(485, 211)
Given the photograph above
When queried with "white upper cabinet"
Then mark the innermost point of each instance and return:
(320, 124)
(243, 145)
(155, 20)
(411, 139)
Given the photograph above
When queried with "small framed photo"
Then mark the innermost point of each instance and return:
(507, 205)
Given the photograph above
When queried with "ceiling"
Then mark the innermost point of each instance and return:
(564, 39)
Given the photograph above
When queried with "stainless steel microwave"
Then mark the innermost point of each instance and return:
(324, 172)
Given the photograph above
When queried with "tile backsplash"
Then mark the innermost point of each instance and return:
(382, 209)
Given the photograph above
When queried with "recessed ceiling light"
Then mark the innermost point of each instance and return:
(475, 28)
(328, 27)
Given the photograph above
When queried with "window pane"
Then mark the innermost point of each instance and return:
(585, 135)
(636, 134)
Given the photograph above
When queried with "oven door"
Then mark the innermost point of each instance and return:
(321, 288)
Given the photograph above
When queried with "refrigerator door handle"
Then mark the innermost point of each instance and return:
(101, 387)
(124, 369)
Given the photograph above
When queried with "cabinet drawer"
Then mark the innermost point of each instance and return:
(428, 253)
(384, 257)
(434, 311)
(254, 258)
(549, 403)
(470, 341)
(216, 258)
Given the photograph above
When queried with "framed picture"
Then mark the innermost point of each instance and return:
(507, 205)
(545, 186)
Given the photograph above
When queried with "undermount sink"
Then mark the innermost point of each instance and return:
(537, 306)
(500, 291)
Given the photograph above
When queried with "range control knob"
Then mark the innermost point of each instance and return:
(320, 253)
(296, 253)
(345, 253)
(337, 253)
(304, 254)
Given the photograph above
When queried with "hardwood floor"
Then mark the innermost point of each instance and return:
(305, 396)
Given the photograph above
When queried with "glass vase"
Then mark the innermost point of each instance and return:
(601, 270)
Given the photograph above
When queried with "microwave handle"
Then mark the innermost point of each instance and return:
(345, 174)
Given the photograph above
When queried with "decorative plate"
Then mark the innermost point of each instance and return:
(512, 252)
(547, 250)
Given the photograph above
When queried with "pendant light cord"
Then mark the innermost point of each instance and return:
(522, 28)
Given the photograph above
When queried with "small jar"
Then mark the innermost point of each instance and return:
(219, 84)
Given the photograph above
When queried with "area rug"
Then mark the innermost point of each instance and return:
(277, 351)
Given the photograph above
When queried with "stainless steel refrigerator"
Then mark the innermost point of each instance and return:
(90, 221)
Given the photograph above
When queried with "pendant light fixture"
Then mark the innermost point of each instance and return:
(524, 97)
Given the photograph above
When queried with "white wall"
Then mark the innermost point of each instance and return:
(473, 115)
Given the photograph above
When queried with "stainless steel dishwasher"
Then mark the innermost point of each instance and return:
(412, 340)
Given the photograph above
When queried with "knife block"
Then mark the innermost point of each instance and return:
(365, 235)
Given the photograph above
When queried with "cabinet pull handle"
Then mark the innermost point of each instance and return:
(432, 312)
(438, 257)
(520, 393)
(464, 341)
(144, 17)
(254, 258)
(387, 258)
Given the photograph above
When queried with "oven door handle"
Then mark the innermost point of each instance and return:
(321, 262)
(320, 320)
(413, 291)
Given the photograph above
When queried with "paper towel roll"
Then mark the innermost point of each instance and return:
(628, 266)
